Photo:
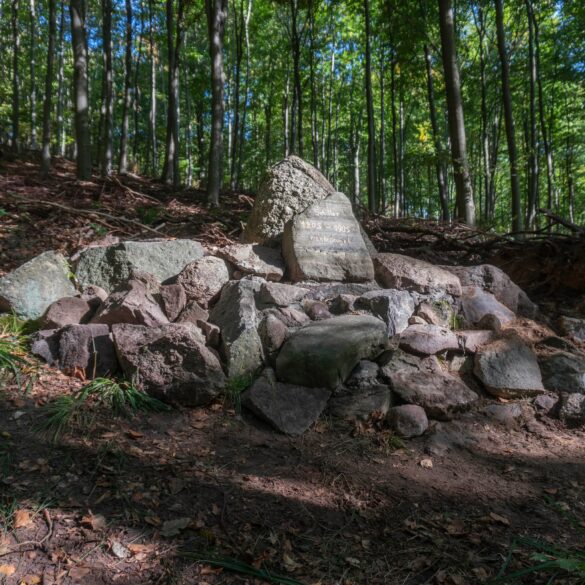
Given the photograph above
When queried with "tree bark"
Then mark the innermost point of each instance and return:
(152, 112)
(80, 83)
(108, 84)
(15, 142)
(464, 191)
(296, 140)
(48, 103)
(509, 118)
(372, 183)
(33, 79)
(216, 16)
(533, 203)
(123, 162)
(61, 134)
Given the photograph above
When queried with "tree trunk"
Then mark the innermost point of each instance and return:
(296, 141)
(216, 17)
(372, 183)
(464, 191)
(61, 134)
(168, 165)
(242, 134)
(33, 79)
(15, 77)
(509, 118)
(81, 94)
(313, 82)
(440, 170)
(152, 112)
(123, 163)
(395, 141)
(136, 93)
(48, 103)
(108, 84)
(533, 204)
(239, 49)
(382, 160)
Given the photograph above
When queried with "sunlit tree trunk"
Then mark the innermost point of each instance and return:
(33, 78)
(108, 84)
(152, 111)
(48, 102)
(61, 134)
(532, 204)
(15, 76)
(372, 183)
(123, 163)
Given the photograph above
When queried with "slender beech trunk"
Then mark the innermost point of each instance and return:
(372, 183)
(152, 113)
(60, 83)
(239, 53)
(509, 118)
(108, 85)
(15, 76)
(80, 84)
(123, 162)
(167, 175)
(216, 16)
(48, 102)
(464, 191)
(201, 151)
(33, 78)
(314, 130)
(330, 108)
(286, 116)
(137, 93)
(296, 140)
(397, 197)
(439, 168)
(242, 133)
(532, 204)
(382, 159)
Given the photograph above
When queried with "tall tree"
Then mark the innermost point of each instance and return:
(216, 16)
(33, 77)
(107, 138)
(48, 102)
(152, 110)
(123, 163)
(372, 182)
(80, 84)
(462, 178)
(532, 199)
(61, 134)
(15, 76)
(509, 118)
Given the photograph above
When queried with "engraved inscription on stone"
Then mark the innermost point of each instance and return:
(324, 243)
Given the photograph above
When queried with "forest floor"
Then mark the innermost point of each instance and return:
(120, 500)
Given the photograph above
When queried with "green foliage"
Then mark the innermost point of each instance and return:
(149, 215)
(120, 398)
(234, 388)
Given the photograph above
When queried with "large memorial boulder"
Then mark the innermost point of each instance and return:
(111, 266)
(288, 188)
(324, 243)
(31, 288)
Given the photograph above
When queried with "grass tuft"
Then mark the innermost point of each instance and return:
(234, 388)
(121, 398)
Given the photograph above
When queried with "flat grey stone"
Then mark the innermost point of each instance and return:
(364, 374)
(441, 395)
(45, 344)
(471, 340)
(405, 273)
(324, 243)
(316, 310)
(288, 188)
(508, 368)
(66, 311)
(31, 288)
(394, 307)
(289, 408)
(563, 372)
(349, 403)
(400, 361)
(203, 279)
(573, 327)
(281, 295)
(255, 260)
(428, 339)
(173, 300)
(509, 415)
(408, 420)
(193, 313)
(111, 266)
(477, 304)
(236, 315)
(572, 408)
(323, 353)
(170, 362)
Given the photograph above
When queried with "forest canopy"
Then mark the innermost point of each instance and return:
(418, 108)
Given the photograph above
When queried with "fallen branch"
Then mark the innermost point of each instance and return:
(86, 212)
(564, 222)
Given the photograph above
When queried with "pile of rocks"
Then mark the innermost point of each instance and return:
(326, 325)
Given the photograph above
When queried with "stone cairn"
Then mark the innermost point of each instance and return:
(305, 313)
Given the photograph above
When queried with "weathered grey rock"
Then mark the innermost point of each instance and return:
(405, 273)
(571, 327)
(171, 362)
(133, 305)
(400, 361)
(572, 408)
(31, 288)
(212, 333)
(290, 316)
(394, 307)
(490, 322)
(364, 374)
(324, 243)
(508, 368)
(94, 296)
(328, 291)
(204, 279)
(437, 313)
(193, 313)
(288, 408)
(546, 402)
(111, 266)
(342, 304)
(316, 310)
(149, 280)
(66, 311)
(45, 344)
(235, 314)
(173, 300)
(493, 280)
(563, 372)
(461, 363)
(408, 420)
(476, 304)
(428, 339)
(361, 402)
(472, 339)
(441, 395)
(288, 188)
(416, 320)
(554, 342)
(323, 353)
(254, 260)
(281, 295)
(509, 415)
(272, 332)
(88, 349)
